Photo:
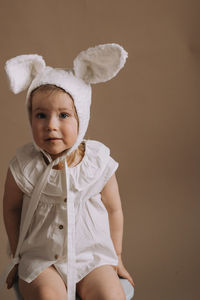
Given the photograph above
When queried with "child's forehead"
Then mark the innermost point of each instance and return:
(51, 99)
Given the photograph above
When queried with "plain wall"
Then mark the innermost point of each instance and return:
(148, 115)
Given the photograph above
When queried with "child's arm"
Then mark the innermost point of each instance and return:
(12, 205)
(111, 199)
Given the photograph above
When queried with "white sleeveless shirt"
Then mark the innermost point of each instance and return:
(47, 237)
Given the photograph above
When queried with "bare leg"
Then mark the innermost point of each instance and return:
(47, 286)
(101, 284)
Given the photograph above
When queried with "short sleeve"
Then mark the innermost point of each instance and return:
(25, 186)
(95, 169)
(110, 169)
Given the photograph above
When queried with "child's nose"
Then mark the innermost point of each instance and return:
(52, 123)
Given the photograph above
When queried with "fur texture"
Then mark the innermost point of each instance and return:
(100, 63)
(22, 69)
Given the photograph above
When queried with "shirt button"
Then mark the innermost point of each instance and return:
(56, 256)
(65, 200)
(60, 226)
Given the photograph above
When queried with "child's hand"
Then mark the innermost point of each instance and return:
(12, 276)
(122, 272)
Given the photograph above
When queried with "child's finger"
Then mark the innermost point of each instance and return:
(11, 279)
(9, 284)
(126, 275)
(130, 279)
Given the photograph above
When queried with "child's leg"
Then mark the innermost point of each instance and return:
(101, 284)
(47, 286)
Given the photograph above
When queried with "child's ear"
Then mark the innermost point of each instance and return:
(22, 69)
(100, 63)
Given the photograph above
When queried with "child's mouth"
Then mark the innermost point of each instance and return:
(53, 139)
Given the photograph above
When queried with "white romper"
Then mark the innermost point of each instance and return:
(46, 240)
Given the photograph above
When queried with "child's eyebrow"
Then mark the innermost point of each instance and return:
(37, 108)
(65, 108)
(59, 109)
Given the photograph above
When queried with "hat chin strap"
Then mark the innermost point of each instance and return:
(48, 156)
(64, 154)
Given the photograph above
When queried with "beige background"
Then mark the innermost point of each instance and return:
(148, 115)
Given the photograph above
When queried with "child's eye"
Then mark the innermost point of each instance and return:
(63, 115)
(40, 116)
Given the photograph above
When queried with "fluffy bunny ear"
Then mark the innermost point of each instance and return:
(22, 69)
(100, 63)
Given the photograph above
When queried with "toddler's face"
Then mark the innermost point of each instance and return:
(54, 121)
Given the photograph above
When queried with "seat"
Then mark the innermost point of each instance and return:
(128, 289)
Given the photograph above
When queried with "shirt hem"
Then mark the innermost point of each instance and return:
(33, 275)
(36, 273)
(93, 268)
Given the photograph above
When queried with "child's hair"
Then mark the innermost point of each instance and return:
(51, 87)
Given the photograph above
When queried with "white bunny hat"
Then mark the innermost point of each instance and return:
(94, 65)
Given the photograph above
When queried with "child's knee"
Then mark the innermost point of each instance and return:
(116, 295)
(46, 293)
(112, 294)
